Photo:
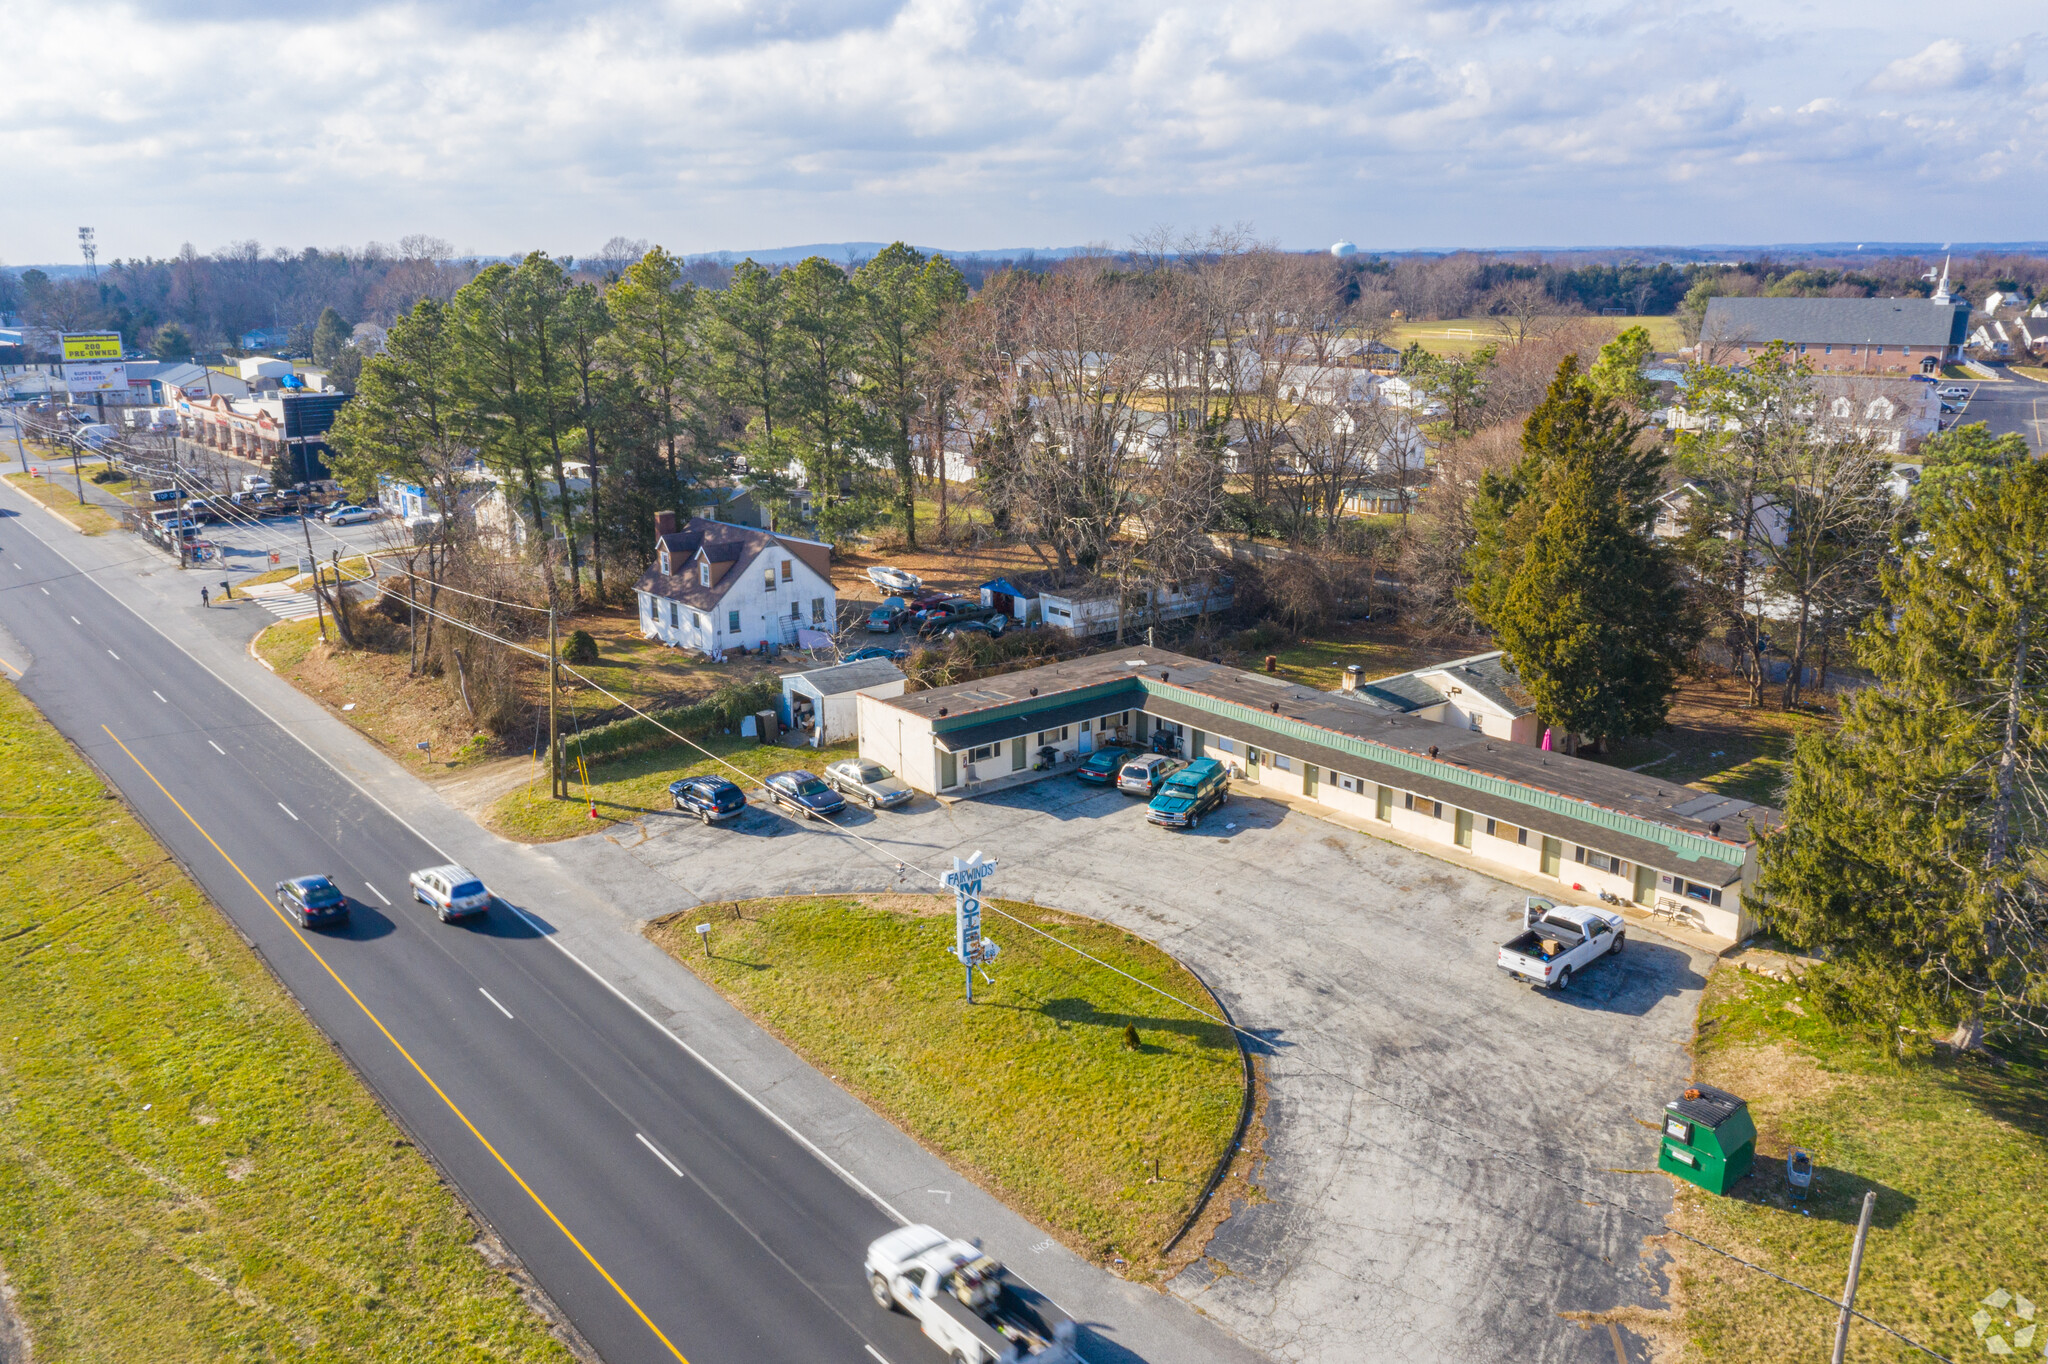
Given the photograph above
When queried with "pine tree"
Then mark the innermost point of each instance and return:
(330, 335)
(1585, 603)
(1916, 836)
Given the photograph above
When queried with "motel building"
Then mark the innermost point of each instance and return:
(1469, 787)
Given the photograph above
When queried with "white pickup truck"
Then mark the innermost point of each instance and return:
(1559, 940)
(965, 1301)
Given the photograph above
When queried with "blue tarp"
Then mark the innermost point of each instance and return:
(1006, 586)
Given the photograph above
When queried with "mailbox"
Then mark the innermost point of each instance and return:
(1708, 1138)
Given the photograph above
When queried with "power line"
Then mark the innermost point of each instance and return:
(1434, 1120)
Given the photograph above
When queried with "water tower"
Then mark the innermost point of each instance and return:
(1343, 249)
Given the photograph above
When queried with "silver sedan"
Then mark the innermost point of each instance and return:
(869, 782)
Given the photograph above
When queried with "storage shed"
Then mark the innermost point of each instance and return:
(820, 704)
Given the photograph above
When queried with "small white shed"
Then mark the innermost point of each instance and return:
(820, 703)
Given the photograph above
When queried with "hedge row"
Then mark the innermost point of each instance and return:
(722, 711)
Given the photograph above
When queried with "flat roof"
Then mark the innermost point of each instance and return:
(1292, 718)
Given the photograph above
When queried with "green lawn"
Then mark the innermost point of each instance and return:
(61, 497)
(1464, 335)
(1032, 1091)
(1957, 1151)
(1320, 663)
(187, 1169)
(1718, 743)
(635, 784)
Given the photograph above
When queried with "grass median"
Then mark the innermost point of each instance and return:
(1955, 1148)
(1033, 1092)
(187, 1170)
(86, 517)
(636, 784)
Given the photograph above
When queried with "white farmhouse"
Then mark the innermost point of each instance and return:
(716, 586)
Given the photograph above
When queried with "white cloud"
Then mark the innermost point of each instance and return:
(723, 124)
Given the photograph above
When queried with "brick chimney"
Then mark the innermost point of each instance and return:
(1352, 677)
(664, 523)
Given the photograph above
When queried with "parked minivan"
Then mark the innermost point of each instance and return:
(1190, 793)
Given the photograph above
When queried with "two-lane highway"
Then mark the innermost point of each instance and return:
(668, 1214)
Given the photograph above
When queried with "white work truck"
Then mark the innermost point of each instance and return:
(965, 1301)
(1558, 941)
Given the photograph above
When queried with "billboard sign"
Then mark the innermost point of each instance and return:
(97, 377)
(91, 346)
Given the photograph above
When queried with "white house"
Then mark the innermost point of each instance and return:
(820, 704)
(715, 587)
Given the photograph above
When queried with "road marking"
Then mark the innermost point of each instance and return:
(286, 808)
(111, 654)
(216, 748)
(493, 998)
(46, 592)
(10, 667)
(876, 1353)
(160, 696)
(943, 1194)
(74, 620)
(378, 893)
(651, 1146)
(418, 1069)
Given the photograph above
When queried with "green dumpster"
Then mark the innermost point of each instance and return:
(1708, 1138)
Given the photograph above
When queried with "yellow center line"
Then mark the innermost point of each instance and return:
(11, 668)
(417, 1067)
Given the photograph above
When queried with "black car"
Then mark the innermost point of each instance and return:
(711, 799)
(806, 793)
(315, 901)
(876, 651)
(992, 627)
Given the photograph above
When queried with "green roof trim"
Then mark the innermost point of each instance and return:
(941, 725)
(1689, 846)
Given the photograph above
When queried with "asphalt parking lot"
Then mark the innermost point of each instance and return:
(1443, 1143)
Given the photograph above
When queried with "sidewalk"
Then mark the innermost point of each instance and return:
(1139, 1323)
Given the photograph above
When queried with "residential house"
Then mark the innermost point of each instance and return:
(1483, 694)
(715, 587)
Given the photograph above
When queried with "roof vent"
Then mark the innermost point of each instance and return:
(942, 710)
(1162, 676)
(1276, 707)
(1034, 691)
(1715, 828)
(1432, 750)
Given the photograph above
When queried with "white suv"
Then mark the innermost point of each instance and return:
(452, 892)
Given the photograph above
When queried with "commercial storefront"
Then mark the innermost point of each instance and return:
(1589, 827)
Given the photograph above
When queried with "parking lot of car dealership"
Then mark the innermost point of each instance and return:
(1400, 1063)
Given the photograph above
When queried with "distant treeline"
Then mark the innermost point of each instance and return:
(194, 303)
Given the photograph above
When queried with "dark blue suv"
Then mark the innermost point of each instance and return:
(711, 799)
(315, 901)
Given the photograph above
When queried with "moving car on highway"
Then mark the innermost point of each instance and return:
(450, 891)
(804, 793)
(711, 799)
(965, 1301)
(315, 901)
(869, 782)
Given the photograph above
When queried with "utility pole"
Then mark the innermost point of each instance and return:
(317, 613)
(74, 471)
(554, 752)
(1855, 1268)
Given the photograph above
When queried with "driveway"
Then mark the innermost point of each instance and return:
(1431, 1124)
(2019, 404)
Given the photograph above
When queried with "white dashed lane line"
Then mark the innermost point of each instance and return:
(286, 808)
(508, 1013)
(657, 1154)
(158, 695)
(216, 748)
(378, 893)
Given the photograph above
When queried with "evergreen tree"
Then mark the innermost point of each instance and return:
(654, 314)
(1948, 457)
(330, 337)
(1916, 834)
(1586, 604)
(1618, 372)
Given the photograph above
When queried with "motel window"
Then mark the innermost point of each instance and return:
(982, 754)
(1691, 890)
(1223, 745)
(1407, 800)
(1282, 762)
(1052, 736)
(786, 569)
(732, 622)
(1345, 783)
(1506, 832)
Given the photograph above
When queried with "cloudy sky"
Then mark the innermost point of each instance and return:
(708, 126)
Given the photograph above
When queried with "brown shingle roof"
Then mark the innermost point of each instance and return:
(726, 547)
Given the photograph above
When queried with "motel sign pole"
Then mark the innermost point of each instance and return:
(965, 882)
